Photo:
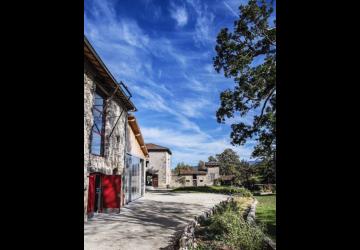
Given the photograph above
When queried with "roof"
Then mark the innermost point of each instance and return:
(227, 177)
(108, 80)
(137, 132)
(157, 148)
(212, 164)
(191, 172)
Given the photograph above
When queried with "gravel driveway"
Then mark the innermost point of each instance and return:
(147, 223)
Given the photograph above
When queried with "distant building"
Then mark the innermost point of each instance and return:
(158, 172)
(196, 177)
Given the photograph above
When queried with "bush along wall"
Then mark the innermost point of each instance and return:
(224, 226)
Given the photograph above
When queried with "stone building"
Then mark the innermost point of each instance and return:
(212, 171)
(196, 177)
(106, 107)
(158, 173)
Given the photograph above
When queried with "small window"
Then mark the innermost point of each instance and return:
(201, 180)
(187, 180)
(98, 129)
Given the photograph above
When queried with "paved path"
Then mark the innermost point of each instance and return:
(147, 223)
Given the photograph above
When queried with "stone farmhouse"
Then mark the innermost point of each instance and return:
(196, 177)
(115, 154)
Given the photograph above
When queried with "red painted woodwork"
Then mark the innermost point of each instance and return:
(111, 187)
(91, 196)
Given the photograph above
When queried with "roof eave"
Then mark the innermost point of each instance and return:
(97, 57)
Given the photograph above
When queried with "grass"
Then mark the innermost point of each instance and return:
(216, 189)
(266, 214)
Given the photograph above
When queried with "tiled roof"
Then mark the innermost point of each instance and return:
(108, 81)
(212, 164)
(157, 148)
(191, 172)
(137, 132)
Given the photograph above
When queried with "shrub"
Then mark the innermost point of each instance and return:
(228, 226)
(231, 228)
(217, 189)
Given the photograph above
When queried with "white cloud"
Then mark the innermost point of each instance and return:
(179, 14)
(153, 101)
(204, 28)
(193, 108)
(230, 9)
(190, 147)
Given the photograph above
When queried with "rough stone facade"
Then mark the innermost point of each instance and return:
(160, 162)
(201, 180)
(212, 173)
(114, 147)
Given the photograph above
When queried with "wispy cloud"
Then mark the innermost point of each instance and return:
(204, 23)
(179, 14)
(193, 108)
(169, 72)
(190, 147)
(155, 102)
(229, 8)
(195, 85)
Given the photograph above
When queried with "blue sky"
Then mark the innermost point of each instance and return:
(162, 50)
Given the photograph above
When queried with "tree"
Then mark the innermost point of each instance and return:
(201, 165)
(228, 161)
(180, 166)
(248, 55)
(211, 159)
(267, 171)
(247, 175)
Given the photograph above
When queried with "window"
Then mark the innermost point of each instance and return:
(187, 180)
(98, 129)
(212, 176)
(201, 180)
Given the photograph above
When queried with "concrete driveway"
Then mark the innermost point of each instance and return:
(147, 223)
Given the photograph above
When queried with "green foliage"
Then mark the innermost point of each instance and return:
(230, 227)
(181, 165)
(211, 159)
(216, 189)
(248, 55)
(201, 165)
(228, 160)
(227, 227)
(267, 169)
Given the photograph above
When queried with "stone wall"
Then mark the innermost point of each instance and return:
(114, 147)
(212, 170)
(202, 180)
(160, 163)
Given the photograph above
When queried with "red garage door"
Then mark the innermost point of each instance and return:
(111, 187)
(91, 195)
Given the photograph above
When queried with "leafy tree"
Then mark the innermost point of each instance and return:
(248, 56)
(180, 166)
(211, 159)
(267, 171)
(228, 161)
(247, 175)
(201, 165)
